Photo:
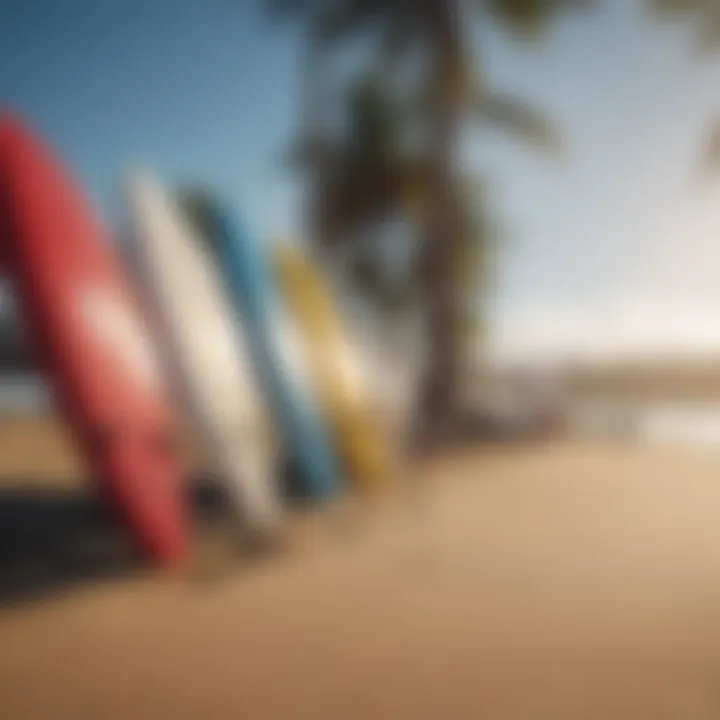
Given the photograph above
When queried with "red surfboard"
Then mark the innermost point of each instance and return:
(90, 337)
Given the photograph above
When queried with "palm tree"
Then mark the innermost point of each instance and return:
(369, 174)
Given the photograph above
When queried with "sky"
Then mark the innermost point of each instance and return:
(197, 90)
(615, 247)
(614, 244)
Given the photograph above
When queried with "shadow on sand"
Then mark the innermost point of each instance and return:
(52, 540)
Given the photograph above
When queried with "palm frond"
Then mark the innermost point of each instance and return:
(340, 20)
(397, 38)
(509, 114)
(530, 19)
(311, 152)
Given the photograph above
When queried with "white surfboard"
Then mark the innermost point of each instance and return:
(205, 350)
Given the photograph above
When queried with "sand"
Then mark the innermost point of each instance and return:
(560, 581)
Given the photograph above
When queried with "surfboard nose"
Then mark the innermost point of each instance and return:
(15, 135)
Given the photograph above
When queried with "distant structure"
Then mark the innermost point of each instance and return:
(514, 404)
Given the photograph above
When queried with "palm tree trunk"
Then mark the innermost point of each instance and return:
(441, 244)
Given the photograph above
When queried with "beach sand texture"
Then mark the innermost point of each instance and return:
(556, 581)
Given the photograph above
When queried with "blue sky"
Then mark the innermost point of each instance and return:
(207, 90)
(196, 90)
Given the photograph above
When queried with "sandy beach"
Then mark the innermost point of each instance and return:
(561, 581)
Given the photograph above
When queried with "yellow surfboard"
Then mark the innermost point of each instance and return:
(361, 445)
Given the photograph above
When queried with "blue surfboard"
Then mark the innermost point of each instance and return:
(247, 272)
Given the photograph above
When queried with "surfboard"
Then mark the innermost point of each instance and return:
(203, 345)
(91, 339)
(276, 349)
(336, 369)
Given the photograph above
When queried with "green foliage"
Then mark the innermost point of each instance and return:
(509, 114)
(530, 19)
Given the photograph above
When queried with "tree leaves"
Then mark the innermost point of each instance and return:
(510, 114)
(530, 19)
(340, 20)
(369, 171)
